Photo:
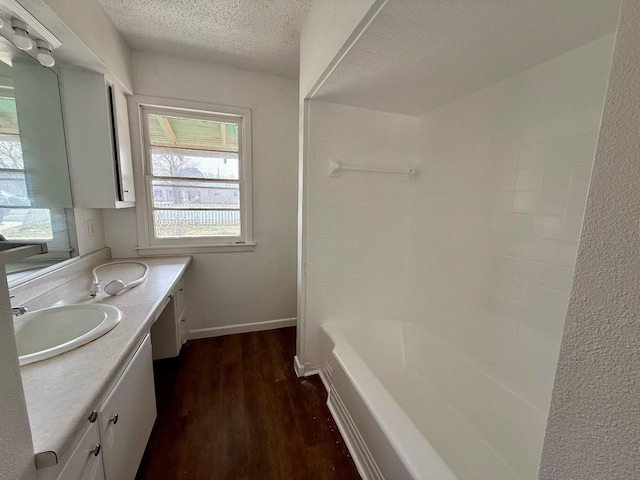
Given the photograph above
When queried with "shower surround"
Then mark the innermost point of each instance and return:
(477, 250)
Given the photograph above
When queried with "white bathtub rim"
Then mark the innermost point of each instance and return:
(336, 329)
(339, 333)
(414, 450)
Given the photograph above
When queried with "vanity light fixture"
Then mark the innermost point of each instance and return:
(27, 33)
(21, 37)
(44, 53)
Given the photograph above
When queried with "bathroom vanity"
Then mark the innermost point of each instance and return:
(117, 432)
(92, 409)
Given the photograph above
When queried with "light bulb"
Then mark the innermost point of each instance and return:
(20, 35)
(44, 54)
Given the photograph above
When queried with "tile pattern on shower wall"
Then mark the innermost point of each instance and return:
(495, 230)
(357, 223)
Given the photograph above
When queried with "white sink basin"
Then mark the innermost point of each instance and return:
(42, 334)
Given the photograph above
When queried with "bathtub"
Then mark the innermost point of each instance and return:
(392, 401)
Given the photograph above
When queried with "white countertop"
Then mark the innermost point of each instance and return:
(62, 391)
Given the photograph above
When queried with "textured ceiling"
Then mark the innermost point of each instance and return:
(419, 54)
(261, 35)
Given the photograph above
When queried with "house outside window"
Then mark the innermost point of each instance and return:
(197, 171)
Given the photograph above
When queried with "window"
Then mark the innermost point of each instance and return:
(197, 168)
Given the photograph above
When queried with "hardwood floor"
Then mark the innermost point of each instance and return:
(232, 408)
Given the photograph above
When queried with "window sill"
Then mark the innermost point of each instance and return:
(195, 248)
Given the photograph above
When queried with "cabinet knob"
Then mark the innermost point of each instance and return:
(93, 416)
(114, 419)
(96, 450)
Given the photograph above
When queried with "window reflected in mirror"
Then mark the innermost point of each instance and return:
(35, 193)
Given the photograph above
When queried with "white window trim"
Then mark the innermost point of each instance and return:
(147, 245)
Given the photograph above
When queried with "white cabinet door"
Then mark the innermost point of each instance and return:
(98, 141)
(123, 160)
(44, 153)
(127, 416)
(85, 463)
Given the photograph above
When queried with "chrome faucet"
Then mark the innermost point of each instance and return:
(95, 288)
(17, 311)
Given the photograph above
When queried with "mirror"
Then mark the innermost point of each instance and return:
(35, 190)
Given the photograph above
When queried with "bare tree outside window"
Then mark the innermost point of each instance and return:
(10, 152)
(170, 164)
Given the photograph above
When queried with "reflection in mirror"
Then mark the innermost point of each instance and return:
(35, 191)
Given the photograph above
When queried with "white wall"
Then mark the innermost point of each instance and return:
(90, 23)
(16, 449)
(358, 223)
(496, 222)
(328, 25)
(226, 289)
(329, 28)
(87, 242)
(594, 423)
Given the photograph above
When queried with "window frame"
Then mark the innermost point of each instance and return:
(147, 242)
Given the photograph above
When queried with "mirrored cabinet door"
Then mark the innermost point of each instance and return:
(35, 190)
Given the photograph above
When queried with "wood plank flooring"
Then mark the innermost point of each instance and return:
(232, 408)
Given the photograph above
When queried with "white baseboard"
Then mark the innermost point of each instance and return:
(302, 370)
(298, 367)
(325, 381)
(242, 328)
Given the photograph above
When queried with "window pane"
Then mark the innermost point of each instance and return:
(8, 115)
(196, 223)
(185, 194)
(175, 162)
(13, 189)
(26, 223)
(10, 152)
(179, 132)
